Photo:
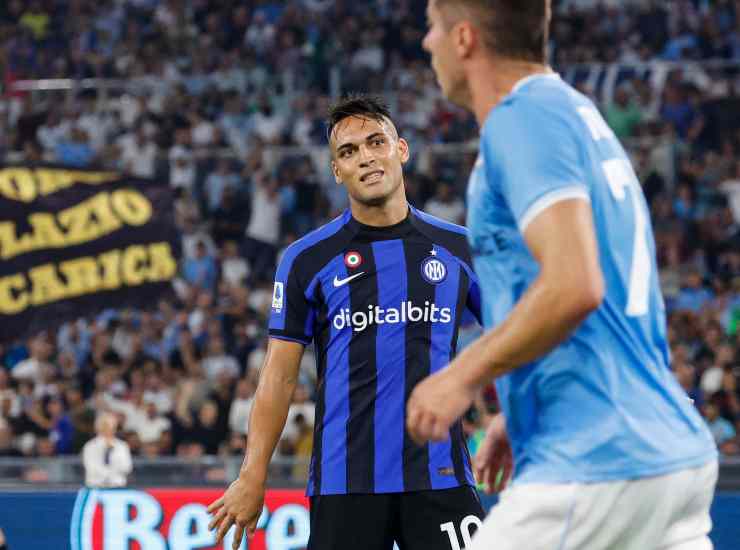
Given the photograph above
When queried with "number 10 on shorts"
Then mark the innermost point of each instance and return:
(465, 530)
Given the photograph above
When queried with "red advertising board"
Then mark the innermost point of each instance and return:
(176, 519)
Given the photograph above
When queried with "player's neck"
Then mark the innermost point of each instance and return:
(492, 80)
(385, 215)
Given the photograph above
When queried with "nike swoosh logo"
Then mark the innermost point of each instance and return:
(340, 282)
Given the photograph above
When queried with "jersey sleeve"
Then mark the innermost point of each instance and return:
(292, 312)
(536, 158)
(473, 304)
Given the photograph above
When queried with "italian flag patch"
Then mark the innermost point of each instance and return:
(352, 259)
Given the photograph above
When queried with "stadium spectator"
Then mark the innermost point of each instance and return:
(623, 115)
(722, 430)
(138, 153)
(107, 460)
(263, 231)
(61, 429)
(693, 296)
(6, 440)
(241, 406)
(444, 204)
(200, 270)
(31, 368)
(218, 181)
(153, 430)
(217, 362)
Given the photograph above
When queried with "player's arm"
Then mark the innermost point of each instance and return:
(278, 380)
(570, 285)
(242, 503)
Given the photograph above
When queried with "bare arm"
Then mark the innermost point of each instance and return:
(569, 287)
(278, 379)
(242, 503)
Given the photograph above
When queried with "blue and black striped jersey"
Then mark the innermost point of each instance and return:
(383, 306)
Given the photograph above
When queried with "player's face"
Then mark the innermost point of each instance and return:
(445, 63)
(367, 159)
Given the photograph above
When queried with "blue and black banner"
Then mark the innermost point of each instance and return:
(74, 242)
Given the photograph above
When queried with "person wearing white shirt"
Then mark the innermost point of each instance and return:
(731, 189)
(446, 205)
(152, 426)
(241, 406)
(138, 153)
(31, 368)
(107, 460)
(182, 167)
(218, 360)
(301, 406)
(53, 131)
(234, 268)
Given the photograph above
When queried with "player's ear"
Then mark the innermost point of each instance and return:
(403, 150)
(335, 171)
(463, 37)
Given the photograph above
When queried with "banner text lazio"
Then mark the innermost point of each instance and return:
(73, 242)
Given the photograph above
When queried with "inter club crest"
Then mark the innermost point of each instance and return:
(433, 269)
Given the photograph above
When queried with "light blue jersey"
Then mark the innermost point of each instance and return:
(603, 405)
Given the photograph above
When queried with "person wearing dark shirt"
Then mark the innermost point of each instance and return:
(380, 292)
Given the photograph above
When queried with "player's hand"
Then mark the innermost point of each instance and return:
(435, 404)
(493, 463)
(241, 505)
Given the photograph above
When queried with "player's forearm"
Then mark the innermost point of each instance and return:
(266, 421)
(545, 316)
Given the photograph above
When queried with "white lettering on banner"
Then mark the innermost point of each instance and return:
(141, 529)
(360, 320)
(183, 537)
(288, 528)
(130, 516)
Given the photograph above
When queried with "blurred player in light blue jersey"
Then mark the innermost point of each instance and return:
(608, 451)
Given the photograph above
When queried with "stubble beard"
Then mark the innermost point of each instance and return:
(381, 200)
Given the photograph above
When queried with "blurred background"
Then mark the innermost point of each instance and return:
(224, 101)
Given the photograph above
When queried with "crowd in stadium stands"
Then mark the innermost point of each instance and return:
(210, 91)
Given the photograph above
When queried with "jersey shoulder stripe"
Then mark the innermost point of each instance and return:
(440, 223)
(450, 235)
(310, 240)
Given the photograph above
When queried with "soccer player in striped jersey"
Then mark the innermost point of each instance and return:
(381, 292)
(608, 450)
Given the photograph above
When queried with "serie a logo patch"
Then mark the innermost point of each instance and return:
(277, 297)
(352, 259)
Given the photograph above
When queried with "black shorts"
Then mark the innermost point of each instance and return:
(422, 520)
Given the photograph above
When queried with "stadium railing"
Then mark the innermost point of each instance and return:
(285, 472)
(62, 471)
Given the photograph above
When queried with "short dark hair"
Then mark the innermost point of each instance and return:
(362, 105)
(515, 29)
